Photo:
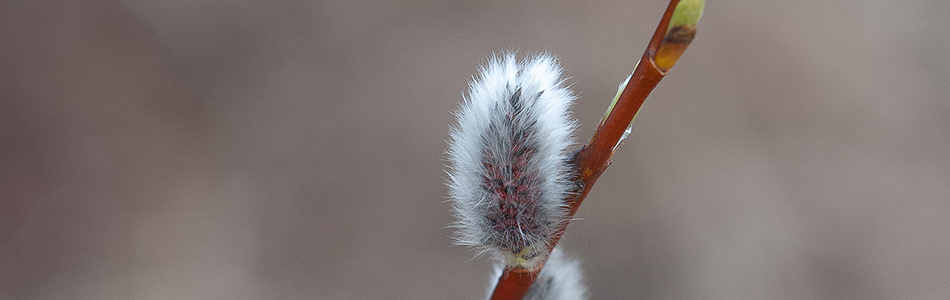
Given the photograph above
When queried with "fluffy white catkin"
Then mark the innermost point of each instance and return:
(508, 175)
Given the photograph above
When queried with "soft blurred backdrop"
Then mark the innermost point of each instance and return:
(222, 149)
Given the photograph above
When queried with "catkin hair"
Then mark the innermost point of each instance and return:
(508, 173)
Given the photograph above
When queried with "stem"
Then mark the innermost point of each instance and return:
(664, 49)
(514, 283)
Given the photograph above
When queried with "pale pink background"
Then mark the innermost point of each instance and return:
(221, 149)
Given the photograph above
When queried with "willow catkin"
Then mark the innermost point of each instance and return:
(508, 175)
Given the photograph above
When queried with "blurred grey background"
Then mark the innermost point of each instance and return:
(219, 149)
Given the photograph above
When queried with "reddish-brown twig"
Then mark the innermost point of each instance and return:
(665, 48)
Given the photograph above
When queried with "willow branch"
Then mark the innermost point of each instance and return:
(672, 36)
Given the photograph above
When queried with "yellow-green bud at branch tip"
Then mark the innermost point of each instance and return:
(679, 34)
(687, 13)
